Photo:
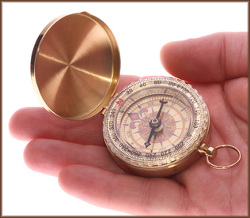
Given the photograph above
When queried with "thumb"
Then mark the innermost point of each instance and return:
(213, 58)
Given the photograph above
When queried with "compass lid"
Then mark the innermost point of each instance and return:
(75, 66)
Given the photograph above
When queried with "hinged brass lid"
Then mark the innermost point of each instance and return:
(75, 66)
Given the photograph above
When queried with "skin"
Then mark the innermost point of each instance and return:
(74, 151)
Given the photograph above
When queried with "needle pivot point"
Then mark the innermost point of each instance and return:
(155, 123)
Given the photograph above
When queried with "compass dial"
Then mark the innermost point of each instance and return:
(154, 125)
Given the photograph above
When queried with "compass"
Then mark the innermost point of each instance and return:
(155, 127)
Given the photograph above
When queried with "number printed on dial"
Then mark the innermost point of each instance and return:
(155, 122)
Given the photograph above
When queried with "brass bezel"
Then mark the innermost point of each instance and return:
(54, 88)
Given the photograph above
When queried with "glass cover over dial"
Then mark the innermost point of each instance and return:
(155, 124)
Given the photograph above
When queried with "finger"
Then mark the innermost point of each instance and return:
(213, 58)
(30, 123)
(131, 194)
(50, 156)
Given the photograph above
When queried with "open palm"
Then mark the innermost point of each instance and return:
(215, 65)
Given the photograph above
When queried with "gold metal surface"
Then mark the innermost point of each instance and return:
(227, 166)
(208, 151)
(75, 66)
(162, 171)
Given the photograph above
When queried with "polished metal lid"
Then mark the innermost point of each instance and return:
(75, 66)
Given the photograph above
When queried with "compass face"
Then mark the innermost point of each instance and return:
(155, 123)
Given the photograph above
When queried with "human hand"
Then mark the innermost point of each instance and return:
(216, 65)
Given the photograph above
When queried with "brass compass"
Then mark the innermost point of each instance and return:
(155, 127)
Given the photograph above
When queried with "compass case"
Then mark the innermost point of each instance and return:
(75, 66)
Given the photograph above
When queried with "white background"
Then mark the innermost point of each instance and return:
(141, 29)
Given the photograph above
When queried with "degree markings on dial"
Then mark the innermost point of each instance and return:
(183, 109)
(148, 100)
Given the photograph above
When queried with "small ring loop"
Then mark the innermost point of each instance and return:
(228, 166)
